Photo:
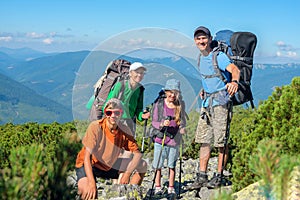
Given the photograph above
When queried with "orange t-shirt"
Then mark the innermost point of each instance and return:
(105, 146)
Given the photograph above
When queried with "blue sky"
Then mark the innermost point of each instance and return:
(59, 26)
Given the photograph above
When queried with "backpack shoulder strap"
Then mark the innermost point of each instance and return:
(141, 97)
(159, 103)
(183, 113)
(216, 67)
(217, 70)
(123, 82)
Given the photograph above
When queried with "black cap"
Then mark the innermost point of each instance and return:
(202, 29)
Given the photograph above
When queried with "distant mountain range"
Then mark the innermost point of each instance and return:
(41, 87)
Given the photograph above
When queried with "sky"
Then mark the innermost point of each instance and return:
(65, 25)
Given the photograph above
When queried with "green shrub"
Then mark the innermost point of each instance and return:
(27, 176)
(277, 118)
(273, 168)
(35, 158)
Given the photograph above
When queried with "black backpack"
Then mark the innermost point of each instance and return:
(239, 47)
(115, 71)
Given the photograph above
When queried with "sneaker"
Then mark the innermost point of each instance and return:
(171, 190)
(215, 182)
(200, 181)
(158, 191)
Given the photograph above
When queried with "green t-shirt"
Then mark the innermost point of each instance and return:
(132, 99)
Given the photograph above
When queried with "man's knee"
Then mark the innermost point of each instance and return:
(205, 147)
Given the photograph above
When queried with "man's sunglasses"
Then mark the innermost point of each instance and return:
(110, 112)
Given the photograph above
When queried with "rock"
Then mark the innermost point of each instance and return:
(252, 192)
(107, 190)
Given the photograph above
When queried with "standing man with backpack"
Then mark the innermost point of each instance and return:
(215, 95)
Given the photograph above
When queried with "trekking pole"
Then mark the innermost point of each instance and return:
(159, 157)
(145, 130)
(180, 166)
(180, 169)
(227, 134)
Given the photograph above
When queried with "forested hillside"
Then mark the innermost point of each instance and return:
(265, 145)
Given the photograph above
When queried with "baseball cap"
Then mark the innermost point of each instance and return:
(136, 65)
(202, 29)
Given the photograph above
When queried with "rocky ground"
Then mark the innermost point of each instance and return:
(107, 190)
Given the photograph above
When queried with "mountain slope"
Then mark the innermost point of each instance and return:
(19, 104)
(51, 76)
(22, 53)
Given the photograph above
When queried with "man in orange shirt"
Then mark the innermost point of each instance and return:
(102, 144)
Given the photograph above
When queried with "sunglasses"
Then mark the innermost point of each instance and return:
(110, 112)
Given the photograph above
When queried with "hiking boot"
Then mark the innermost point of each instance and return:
(215, 182)
(200, 181)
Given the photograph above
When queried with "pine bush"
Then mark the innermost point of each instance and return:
(278, 118)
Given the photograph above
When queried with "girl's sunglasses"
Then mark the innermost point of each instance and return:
(110, 112)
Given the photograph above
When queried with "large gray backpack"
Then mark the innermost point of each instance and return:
(115, 71)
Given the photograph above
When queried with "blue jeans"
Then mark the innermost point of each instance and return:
(168, 152)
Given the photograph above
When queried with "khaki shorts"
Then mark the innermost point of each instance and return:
(214, 131)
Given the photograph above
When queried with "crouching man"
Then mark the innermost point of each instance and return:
(99, 157)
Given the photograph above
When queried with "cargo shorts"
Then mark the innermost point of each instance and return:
(211, 127)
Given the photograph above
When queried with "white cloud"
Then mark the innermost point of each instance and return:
(48, 41)
(53, 34)
(286, 50)
(35, 35)
(6, 39)
(278, 53)
(140, 42)
(280, 43)
(291, 54)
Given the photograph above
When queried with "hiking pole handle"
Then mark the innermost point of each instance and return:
(147, 109)
(169, 118)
